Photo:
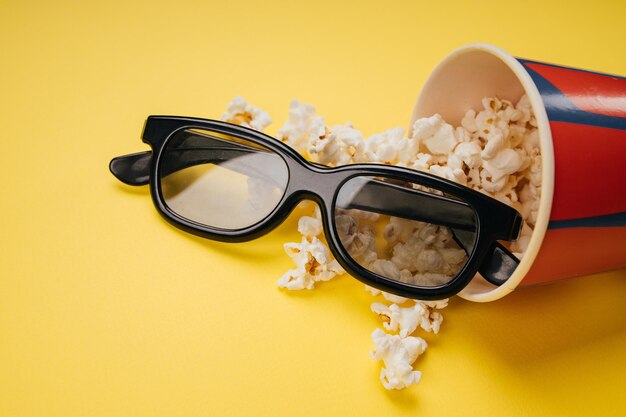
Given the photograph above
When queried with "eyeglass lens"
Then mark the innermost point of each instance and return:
(219, 180)
(404, 231)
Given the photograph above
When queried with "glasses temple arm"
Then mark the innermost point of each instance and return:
(498, 267)
(393, 200)
(134, 169)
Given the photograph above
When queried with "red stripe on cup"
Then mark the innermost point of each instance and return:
(595, 93)
(579, 251)
(589, 171)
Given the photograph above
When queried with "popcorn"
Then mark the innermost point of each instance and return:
(386, 268)
(432, 320)
(496, 141)
(366, 216)
(529, 197)
(531, 142)
(240, 112)
(404, 254)
(462, 135)
(469, 153)
(360, 241)
(454, 162)
(398, 319)
(390, 297)
(295, 132)
(426, 127)
(422, 162)
(437, 135)
(505, 162)
(448, 173)
(469, 121)
(399, 229)
(523, 106)
(534, 174)
(313, 263)
(382, 147)
(405, 320)
(317, 132)
(398, 354)
(489, 184)
(490, 121)
(309, 226)
(335, 146)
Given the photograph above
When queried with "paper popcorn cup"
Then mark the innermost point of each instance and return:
(581, 121)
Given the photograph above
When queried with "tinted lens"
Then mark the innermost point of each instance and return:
(404, 231)
(220, 180)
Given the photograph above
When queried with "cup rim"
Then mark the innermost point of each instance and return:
(547, 166)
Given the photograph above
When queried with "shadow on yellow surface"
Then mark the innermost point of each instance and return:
(534, 323)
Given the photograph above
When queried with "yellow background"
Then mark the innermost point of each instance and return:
(106, 310)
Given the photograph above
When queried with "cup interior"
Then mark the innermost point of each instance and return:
(460, 83)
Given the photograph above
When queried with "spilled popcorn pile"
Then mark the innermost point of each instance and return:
(494, 151)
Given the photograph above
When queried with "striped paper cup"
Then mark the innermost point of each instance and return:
(581, 120)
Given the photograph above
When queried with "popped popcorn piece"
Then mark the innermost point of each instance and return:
(389, 297)
(309, 226)
(359, 241)
(313, 263)
(534, 174)
(432, 321)
(448, 173)
(422, 162)
(426, 127)
(358, 215)
(242, 113)
(437, 135)
(399, 229)
(404, 254)
(302, 118)
(529, 197)
(462, 135)
(382, 147)
(504, 163)
(408, 148)
(496, 141)
(531, 142)
(398, 354)
(317, 132)
(335, 146)
(405, 320)
(437, 304)
(430, 279)
(385, 268)
(469, 153)
(454, 162)
(489, 184)
(525, 109)
(469, 121)
(489, 122)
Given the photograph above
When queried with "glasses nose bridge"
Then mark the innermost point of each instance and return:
(316, 183)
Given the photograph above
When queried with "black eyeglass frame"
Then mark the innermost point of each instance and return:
(307, 181)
